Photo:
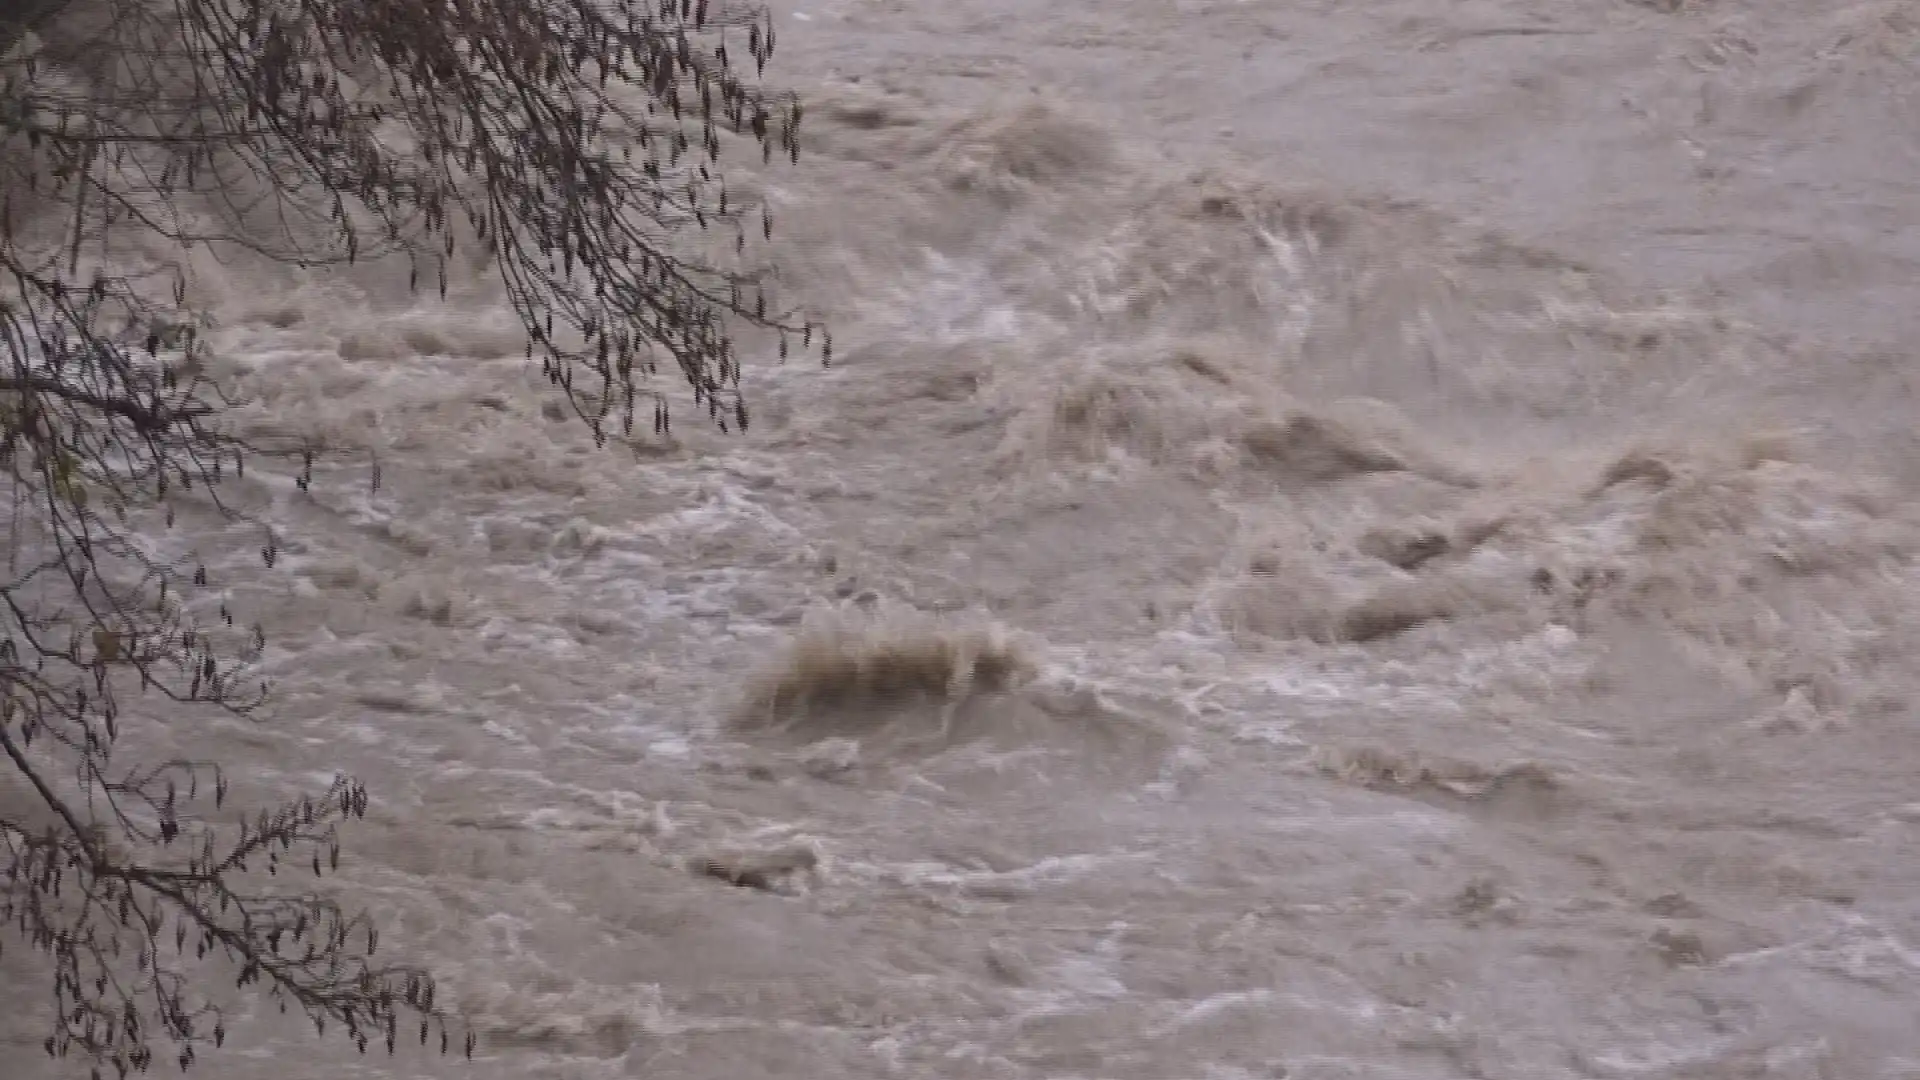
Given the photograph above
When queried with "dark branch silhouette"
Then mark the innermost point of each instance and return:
(574, 145)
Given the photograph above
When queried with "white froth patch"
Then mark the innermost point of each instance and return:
(1753, 563)
(954, 302)
(1050, 872)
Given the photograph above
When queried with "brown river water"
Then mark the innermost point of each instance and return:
(1401, 517)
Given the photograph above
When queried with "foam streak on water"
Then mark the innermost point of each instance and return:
(1344, 541)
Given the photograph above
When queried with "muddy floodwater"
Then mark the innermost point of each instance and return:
(1342, 541)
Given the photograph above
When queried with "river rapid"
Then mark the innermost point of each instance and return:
(1341, 541)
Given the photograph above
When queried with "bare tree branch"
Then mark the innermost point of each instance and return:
(572, 144)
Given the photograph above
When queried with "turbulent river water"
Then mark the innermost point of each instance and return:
(1343, 540)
